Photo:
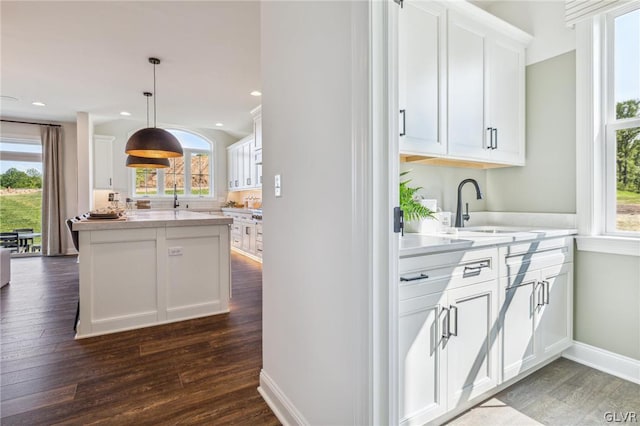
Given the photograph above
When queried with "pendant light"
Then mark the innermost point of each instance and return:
(143, 162)
(153, 142)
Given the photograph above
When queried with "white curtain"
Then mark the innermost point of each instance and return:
(53, 224)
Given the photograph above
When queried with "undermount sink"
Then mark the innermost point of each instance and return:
(494, 229)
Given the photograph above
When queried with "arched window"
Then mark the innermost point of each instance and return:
(190, 175)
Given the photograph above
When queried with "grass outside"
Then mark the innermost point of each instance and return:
(628, 211)
(628, 197)
(21, 211)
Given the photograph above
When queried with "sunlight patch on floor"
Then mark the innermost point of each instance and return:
(495, 413)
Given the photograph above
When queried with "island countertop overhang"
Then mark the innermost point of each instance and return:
(154, 219)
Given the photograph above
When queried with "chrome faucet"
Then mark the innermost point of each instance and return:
(460, 218)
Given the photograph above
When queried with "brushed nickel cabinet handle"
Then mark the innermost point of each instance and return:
(454, 309)
(445, 326)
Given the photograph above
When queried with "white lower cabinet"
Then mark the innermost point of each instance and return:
(472, 362)
(534, 319)
(246, 234)
(471, 320)
(422, 360)
(447, 350)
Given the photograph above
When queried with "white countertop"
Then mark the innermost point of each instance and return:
(238, 210)
(153, 219)
(416, 244)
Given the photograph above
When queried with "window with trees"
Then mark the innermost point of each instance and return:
(190, 175)
(21, 188)
(622, 145)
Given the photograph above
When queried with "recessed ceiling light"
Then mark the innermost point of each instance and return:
(8, 98)
(38, 103)
(256, 93)
(125, 113)
(219, 124)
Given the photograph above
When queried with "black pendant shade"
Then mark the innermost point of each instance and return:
(147, 163)
(153, 142)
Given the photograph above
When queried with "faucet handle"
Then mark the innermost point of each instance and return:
(466, 216)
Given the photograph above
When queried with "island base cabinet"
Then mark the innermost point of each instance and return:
(133, 278)
(447, 353)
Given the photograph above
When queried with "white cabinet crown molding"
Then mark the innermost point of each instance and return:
(485, 18)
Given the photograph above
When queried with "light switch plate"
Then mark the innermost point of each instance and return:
(277, 186)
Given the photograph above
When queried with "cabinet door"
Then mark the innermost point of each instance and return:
(519, 299)
(230, 170)
(421, 70)
(555, 315)
(473, 367)
(467, 135)
(421, 359)
(251, 166)
(249, 238)
(257, 132)
(103, 162)
(505, 95)
(235, 168)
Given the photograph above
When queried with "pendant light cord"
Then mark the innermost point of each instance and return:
(154, 95)
(147, 110)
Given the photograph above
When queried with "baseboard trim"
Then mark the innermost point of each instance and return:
(605, 361)
(281, 406)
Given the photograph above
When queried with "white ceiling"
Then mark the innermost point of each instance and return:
(93, 56)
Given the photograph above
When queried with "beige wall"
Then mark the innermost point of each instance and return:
(607, 302)
(442, 183)
(547, 184)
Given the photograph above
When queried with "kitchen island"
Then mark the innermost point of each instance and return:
(150, 268)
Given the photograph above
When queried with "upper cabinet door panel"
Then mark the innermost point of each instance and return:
(466, 89)
(421, 73)
(505, 79)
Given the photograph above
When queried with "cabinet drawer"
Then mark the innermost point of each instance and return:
(429, 274)
(236, 241)
(259, 248)
(236, 229)
(259, 232)
(518, 258)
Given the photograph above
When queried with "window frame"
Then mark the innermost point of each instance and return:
(611, 124)
(595, 138)
(161, 174)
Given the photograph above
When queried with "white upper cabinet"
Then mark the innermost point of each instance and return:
(421, 57)
(257, 127)
(103, 162)
(466, 89)
(506, 98)
(461, 85)
(242, 170)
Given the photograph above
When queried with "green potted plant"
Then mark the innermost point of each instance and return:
(414, 212)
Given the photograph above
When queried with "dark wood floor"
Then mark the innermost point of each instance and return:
(202, 371)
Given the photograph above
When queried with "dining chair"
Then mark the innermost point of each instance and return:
(76, 244)
(24, 243)
(10, 240)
